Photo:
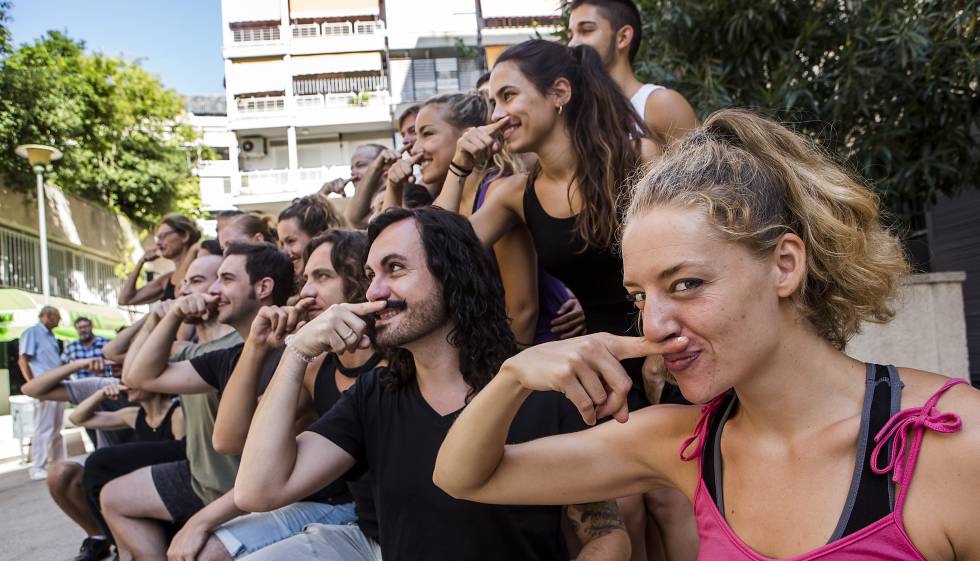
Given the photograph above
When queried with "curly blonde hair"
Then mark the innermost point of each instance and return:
(756, 180)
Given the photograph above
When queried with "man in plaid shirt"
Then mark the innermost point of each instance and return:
(87, 346)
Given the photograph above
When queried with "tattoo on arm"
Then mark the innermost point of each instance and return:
(593, 520)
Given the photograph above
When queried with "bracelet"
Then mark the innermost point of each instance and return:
(459, 170)
(299, 354)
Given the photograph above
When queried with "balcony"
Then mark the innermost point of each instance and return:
(337, 37)
(305, 38)
(260, 106)
(250, 40)
(345, 109)
(283, 184)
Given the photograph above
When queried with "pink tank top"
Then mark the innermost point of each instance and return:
(884, 540)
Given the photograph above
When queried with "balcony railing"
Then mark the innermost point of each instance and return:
(256, 35)
(278, 182)
(324, 101)
(259, 105)
(337, 29)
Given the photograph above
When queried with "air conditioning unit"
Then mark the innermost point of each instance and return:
(252, 147)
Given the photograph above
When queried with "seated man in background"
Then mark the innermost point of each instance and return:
(250, 276)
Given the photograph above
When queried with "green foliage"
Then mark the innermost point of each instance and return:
(116, 124)
(889, 86)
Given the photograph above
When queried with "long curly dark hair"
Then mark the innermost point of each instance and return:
(471, 292)
(347, 254)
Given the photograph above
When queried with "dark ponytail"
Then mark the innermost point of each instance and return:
(605, 131)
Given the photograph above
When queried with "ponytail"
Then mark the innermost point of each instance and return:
(603, 127)
(758, 180)
(252, 224)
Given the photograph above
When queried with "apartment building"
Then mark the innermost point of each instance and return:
(307, 81)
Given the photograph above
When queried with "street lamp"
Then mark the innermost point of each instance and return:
(39, 156)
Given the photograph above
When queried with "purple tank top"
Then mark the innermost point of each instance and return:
(551, 292)
(884, 540)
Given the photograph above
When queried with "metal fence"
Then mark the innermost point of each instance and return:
(71, 274)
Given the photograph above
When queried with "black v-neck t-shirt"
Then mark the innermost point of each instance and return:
(395, 435)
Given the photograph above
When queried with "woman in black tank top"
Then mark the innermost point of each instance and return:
(560, 104)
(157, 418)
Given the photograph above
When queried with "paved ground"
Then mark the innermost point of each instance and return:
(33, 528)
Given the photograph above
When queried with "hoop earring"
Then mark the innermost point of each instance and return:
(560, 107)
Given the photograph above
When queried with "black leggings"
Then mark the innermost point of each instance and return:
(110, 462)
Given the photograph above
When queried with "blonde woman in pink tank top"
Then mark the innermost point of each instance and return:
(752, 259)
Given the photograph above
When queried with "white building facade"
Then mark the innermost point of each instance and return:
(307, 81)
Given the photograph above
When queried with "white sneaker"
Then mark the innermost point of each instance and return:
(37, 474)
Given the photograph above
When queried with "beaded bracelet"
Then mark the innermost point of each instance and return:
(289, 345)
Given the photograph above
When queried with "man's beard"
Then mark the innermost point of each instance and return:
(236, 312)
(416, 322)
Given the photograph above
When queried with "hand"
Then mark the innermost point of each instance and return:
(114, 391)
(151, 254)
(587, 370)
(90, 364)
(335, 186)
(339, 329)
(194, 306)
(273, 323)
(478, 144)
(402, 172)
(188, 542)
(385, 158)
(569, 320)
(161, 308)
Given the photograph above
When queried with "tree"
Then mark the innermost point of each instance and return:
(116, 124)
(889, 86)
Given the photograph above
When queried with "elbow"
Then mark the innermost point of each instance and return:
(252, 500)
(30, 390)
(129, 381)
(443, 479)
(226, 446)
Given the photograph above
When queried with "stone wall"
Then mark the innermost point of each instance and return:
(929, 331)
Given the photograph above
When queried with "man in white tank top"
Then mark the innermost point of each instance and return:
(612, 27)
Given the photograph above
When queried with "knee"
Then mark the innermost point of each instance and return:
(114, 498)
(62, 476)
(213, 550)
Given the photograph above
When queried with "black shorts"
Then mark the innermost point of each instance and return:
(173, 483)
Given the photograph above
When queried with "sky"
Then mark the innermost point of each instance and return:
(177, 40)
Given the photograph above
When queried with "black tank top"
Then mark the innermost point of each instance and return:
(595, 275)
(169, 291)
(325, 394)
(164, 431)
(871, 496)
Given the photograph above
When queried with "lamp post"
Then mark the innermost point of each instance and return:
(39, 156)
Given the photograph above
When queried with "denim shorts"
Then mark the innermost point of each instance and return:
(252, 532)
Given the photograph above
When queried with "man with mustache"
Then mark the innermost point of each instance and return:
(251, 275)
(439, 310)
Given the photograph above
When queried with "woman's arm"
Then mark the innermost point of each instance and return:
(129, 295)
(518, 266)
(502, 210)
(177, 427)
(400, 174)
(116, 349)
(48, 387)
(86, 414)
(359, 206)
(474, 462)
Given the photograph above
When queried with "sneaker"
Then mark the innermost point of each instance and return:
(93, 549)
(37, 474)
